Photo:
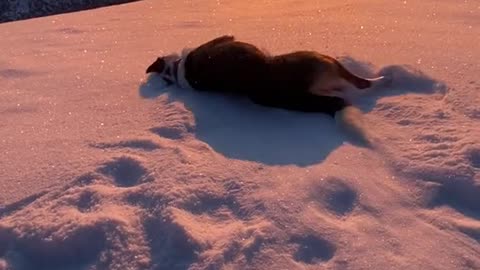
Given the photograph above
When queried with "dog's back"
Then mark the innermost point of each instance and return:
(229, 66)
(296, 71)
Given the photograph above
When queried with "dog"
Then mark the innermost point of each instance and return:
(303, 81)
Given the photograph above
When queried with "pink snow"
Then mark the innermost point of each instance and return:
(102, 167)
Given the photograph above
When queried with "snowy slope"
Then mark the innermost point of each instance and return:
(11, 10)
(105, 168)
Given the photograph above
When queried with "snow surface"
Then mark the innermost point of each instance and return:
(102, 167)
(11, 10)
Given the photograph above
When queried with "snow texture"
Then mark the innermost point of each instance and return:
(102, 167)
(11, 10)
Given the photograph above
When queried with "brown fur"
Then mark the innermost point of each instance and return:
(301, 80)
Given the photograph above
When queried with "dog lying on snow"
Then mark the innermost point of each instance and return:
(301, 81)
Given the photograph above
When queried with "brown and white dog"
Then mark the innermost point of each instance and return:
(301, 81)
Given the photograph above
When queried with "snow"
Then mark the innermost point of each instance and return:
(102, 167)
(25, 9)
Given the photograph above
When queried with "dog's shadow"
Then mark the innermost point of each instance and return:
(239, 129)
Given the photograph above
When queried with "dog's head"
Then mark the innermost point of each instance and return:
(164, 67)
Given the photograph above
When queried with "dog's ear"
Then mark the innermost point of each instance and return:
(158, 66)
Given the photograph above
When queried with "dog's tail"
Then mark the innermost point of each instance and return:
(359, 82)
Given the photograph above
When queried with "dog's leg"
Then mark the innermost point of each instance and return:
(303, 102)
